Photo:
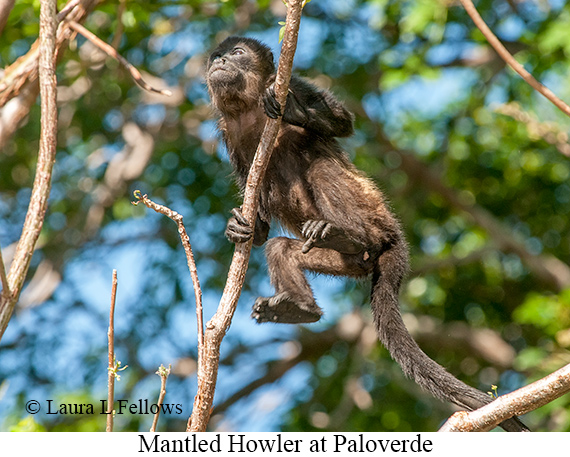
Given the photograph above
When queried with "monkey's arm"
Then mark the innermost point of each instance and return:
(238, 229)
(310, 108)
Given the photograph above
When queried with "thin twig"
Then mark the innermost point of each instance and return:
(112, 366)
(178, 219)
(509, 59)
(135, 74)
(220, 322)
(67, 9)
(163, 372)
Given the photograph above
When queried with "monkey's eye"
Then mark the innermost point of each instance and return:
(238, 51)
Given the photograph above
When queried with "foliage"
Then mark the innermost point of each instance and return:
(437, 129)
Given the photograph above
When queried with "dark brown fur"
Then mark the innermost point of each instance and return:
(342, 223)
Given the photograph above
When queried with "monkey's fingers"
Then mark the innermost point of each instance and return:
(238, 233)
(312, 231)
(326, 230)
(309, 244)
(241, 220)
(316, 229)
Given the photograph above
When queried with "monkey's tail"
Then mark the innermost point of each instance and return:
(388, 274)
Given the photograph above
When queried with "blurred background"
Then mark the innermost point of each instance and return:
(474, 162)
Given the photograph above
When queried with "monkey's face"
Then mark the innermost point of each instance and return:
(228, 70)
(237, 71)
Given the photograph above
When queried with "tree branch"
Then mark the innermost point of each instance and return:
(220, 323)
(510, 60)
(163, 372)
(5, 8)
(46, 158)
(516, 403)
(19, 85)
(112, 368)
(135, 74)
(185, 239)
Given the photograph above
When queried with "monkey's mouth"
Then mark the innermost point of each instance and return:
(221, 75)
(217, 68)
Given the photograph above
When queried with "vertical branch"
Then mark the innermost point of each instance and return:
(111, 344)
(46, 158)
(220, 322)
(163, 372)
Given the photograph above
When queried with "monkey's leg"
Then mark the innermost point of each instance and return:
(293, 302)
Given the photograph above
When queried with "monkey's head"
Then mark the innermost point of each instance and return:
(237, 74)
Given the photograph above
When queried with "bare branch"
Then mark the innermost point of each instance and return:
(178, 219)
(509, 59)
(112, 366)
(135, 74)
(46, 158)
(220, 323)
(163, 372)
(516, 403)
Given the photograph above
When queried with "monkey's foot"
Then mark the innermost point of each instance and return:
(283, 310)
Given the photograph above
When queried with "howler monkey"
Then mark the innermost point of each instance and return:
(340, 218)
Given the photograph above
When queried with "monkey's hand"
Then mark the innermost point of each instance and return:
(314, 232)
(294, 112)
(238, 229)
(323, 234)
(270, 104)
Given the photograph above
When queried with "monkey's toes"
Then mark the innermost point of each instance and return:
(281, 309)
